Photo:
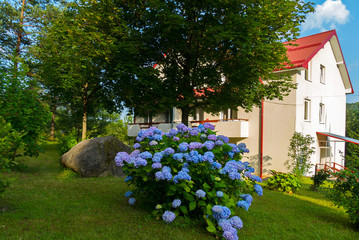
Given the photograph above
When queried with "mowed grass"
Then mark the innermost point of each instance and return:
(43, 204)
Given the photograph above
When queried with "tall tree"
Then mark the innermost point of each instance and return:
(20, 22)
(78, 52)
(215, 52)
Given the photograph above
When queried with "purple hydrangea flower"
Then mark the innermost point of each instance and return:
(258, 189)
(217, 165)
(157, 137)
(234, 175)
(183, 146)
(224, 224)
(230, 234)
(200, 193)
(182, 175)
(128, 194)
(176, 139)
(236, 222)
(195, 145)
(166, 169)
(182, 128)
(193, 132)
(168, 216)
(209, 145)
(208, 156)
(223, 138)
(159, 175)
(219, 143)
(217, 209)
(140, 162)
(131, 201)
(136, 145)
(219, 194)
(177, 156)
(135, 154)
(255, 178)
(172, 132)
(250, 169)
(176, 203)
(121, 157)
(248, 198)
(156, 165)
(247, 174)
(212, 137)
(146, 155)
(243, 204)
(221, 212)
(168, 151)
(207, 125)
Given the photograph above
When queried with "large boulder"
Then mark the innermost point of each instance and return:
(95, 157)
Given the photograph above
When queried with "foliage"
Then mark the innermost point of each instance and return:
(284, 182)
(77, 53)
(299, 152)
(10, 143)
(352, 124)
(345, 191)
(66, 142)
(319, 178)
(25, 111)
(215, 52)
(191, 172)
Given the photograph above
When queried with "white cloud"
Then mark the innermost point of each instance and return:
(327, 16)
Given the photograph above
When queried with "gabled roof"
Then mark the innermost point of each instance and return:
(307, 47)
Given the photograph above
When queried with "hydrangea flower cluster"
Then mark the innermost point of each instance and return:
(191, 170)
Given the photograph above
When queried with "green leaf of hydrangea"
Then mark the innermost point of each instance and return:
(184, 209)
(192, 205)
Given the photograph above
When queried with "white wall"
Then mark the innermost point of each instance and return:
(332, 94)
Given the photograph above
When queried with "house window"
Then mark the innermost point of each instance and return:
(307, 110)
(322, 74)
(321, 113)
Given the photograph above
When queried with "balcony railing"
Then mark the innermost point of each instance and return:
(233, 128)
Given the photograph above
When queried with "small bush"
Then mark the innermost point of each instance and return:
(319, 179)
(66, 142)
(10, 143)
(284, 182)
(345, 191)
(299, 151)
(191, 172)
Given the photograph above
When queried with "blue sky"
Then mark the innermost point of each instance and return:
(342, 15)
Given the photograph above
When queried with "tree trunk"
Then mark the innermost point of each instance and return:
(84, 125)
(19, 36)
(84, 113)
(185, 115)
(52, 133)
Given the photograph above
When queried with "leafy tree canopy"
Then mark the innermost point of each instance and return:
(215, 52)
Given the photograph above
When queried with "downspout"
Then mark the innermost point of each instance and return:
(261, 136)
(173, 117)
(261, 139)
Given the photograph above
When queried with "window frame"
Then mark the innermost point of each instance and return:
(322, 74)
(321, 113)
(307, 110)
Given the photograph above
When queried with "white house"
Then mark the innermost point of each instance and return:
(317, 107)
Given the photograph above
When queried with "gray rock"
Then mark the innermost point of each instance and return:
(95, 157)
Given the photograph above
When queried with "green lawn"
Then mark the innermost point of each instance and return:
(42, 204)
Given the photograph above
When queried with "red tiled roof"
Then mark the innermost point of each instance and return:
(306, 47)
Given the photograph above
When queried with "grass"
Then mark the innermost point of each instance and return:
(46, 202)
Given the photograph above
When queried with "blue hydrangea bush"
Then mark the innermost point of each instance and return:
(192, 172)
